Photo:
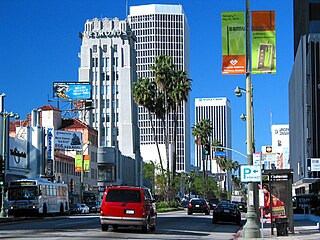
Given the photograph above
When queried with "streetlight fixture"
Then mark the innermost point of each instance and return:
(5, 118)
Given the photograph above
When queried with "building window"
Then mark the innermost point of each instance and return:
(94, 48)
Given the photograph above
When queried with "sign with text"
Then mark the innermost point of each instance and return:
(72, 90)
(220, 154)
(68, 140)
(250, 173)
(263, 42)
(233, 43)
(315, 164)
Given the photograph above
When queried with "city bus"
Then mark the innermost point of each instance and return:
(37, 196)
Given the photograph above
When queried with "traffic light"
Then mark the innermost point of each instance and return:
(71, 185)
(207, 149)
(1, 179)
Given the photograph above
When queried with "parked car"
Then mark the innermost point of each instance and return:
(82, 208)
(128, 206)
(198, 205)
(226, 212)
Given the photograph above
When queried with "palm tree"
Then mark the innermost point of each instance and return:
(201, 131)
(163, 69)
(145, 94)
(179, 91)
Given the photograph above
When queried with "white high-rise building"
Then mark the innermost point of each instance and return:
(162, 30)
(218, 112)
(108, 62)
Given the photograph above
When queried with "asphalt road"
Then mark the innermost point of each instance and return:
(173, 225)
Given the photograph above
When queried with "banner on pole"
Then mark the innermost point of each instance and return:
(233, 43)
(78, 163)
(263, 42)
(86, 163)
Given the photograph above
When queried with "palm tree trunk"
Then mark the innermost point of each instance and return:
(174, 147)
(166, 136)
(155, 140)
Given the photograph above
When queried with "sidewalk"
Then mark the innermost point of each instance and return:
(303, 229)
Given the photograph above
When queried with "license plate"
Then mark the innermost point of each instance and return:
(129, 211)
(226, 210)
(197, 205)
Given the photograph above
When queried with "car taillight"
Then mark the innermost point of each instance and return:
(189, 205)
(143, 210)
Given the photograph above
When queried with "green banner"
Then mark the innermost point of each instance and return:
(78, 163)
(233, 43)
(263, 42)
(86, 163)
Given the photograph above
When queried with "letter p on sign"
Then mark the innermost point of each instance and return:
(250, 173)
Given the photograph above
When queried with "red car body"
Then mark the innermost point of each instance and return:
(128, 206)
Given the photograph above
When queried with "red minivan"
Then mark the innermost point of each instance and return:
(128, 206)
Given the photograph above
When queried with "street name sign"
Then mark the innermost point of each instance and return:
(250, 173)
(220, 154)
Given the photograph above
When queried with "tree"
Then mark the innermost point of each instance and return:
(201, 132)
(145, 94)
(162, 71)
(179, 92)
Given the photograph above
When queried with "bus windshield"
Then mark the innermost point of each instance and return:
(23, 193)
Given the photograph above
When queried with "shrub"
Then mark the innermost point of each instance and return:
(162, 204)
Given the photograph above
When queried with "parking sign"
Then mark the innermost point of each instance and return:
(250, 173)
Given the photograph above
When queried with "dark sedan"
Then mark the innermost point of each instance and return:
(226, 212)
(198, 205)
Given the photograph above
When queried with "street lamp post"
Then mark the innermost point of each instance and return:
(251, 228)
(5, 117)
(82, 172)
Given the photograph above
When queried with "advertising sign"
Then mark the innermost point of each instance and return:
(50, 145)
(233, 43)
(263, 42)
(86, 163)
(280, 137)
(78, 163)
(68, 140)
(72, 90)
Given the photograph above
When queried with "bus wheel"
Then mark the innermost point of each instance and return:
(45, 211)
(61, 209)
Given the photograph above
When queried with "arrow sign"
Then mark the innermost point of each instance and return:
(250, 173)
(220, 154)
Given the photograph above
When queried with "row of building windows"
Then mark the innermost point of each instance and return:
(155, 32)
(164, 39)
(150, 18)
(154, 45)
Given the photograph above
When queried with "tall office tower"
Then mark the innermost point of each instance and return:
(306, 19)
(162, 30)
(218, 112)
(108, 62)
(304, 98)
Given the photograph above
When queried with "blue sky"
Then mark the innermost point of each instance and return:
(40, 45)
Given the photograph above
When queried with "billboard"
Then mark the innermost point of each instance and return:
(263, 42)
(280, 137)
(72, 90)
(67, 140)
(233, 43)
